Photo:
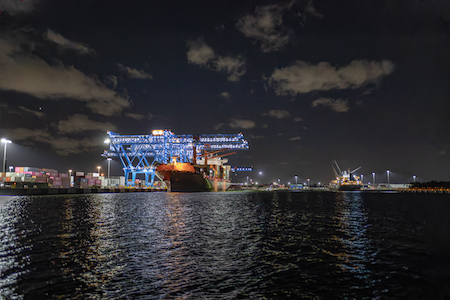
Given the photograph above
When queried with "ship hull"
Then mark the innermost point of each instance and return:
(350, 187)
(219, 185)
(192, 182)
(185, 182)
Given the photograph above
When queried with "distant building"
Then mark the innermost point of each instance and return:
(298, 186)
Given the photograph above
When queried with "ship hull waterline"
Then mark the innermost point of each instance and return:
(349, 188)
(192, 182)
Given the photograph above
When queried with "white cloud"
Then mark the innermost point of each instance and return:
(16, 7)
(303, 77)
(135, 116)
(202, 55)
(265, 26)
(240, 123)
(80, 123)
(278, 113)
(298, 119)
(199, 53)
(134, 73)
(226, 95)
(27, 73)
(234, 67)
(67, 44)
(337, 105)
(295, 138)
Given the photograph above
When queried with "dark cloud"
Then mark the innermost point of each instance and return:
(24, 72)
(266, 25)
(337, 105)
(14, 7)
(237, 124)
(137, 117)
(278, 113)
(80, 123)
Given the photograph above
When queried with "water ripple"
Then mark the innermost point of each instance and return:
(270, 245)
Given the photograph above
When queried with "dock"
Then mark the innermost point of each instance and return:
(71, 191)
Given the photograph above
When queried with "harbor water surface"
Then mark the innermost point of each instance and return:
(233, 245)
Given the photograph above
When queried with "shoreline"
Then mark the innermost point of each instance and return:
(70, 191)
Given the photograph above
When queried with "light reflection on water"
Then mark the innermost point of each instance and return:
(223, 245)
(352, 222)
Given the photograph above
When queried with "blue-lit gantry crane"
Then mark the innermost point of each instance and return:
(140, 154)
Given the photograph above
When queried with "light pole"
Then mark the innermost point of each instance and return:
(98, 170)
(6, 142)
(70, 177)
(247, 182)
(107, 141)
(373, 178)
(414, 177)
(389, 185)
(295, 180)
(109, 164)
(308, 182)
(362, 178)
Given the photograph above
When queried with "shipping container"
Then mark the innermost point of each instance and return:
(41, 179)
(48, 170)
(30, 169)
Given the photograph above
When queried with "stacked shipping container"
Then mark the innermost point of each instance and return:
(33, 177)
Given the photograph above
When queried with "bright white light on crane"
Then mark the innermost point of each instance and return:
(107, 141)
(158, 132)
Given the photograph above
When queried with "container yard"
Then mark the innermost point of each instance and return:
(43, 181)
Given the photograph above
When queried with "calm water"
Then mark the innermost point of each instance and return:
(267, 245)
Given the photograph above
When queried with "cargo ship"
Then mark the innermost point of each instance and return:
(207, 175)
(184, 163)
(346, 180)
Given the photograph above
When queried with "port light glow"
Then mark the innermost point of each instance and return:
(158, 132)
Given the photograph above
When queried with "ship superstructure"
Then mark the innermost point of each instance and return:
(346, 180)
(175, 159)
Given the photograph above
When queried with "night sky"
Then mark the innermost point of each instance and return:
(362, 82)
